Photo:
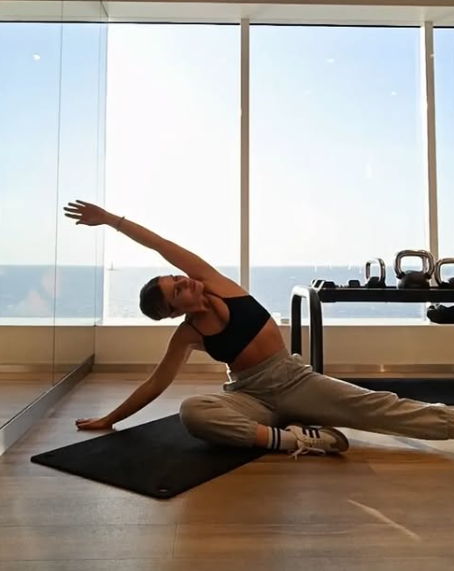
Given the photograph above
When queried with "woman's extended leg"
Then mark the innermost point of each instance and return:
(322, 400)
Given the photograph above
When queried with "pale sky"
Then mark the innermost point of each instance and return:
(336, 152)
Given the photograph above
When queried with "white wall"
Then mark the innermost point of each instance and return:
(361, 345)
(345, 345)
(39, 345)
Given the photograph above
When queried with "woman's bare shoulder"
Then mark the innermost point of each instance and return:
(187, 335)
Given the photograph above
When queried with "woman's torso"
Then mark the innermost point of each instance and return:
(214, 322)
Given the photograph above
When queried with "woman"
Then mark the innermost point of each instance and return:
(271, 397)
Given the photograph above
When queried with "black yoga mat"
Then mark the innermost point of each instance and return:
(159, 459)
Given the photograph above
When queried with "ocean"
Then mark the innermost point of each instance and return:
(77, 292)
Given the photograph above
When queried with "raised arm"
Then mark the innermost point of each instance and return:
(188, 262)
(180, 347)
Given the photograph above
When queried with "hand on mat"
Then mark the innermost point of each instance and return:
(94, 424)
(86, 213)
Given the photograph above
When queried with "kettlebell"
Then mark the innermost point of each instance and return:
(414, 279)
(440, 263)
(375, 281)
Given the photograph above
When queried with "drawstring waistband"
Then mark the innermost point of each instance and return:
(262, 366)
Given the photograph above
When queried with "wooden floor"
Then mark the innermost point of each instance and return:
(387, 505)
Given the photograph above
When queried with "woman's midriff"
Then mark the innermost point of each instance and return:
(265, 344)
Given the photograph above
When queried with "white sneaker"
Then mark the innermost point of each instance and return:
(323, 440)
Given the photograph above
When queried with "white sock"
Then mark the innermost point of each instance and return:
(279, 439)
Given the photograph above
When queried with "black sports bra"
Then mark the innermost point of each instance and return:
(247, 319)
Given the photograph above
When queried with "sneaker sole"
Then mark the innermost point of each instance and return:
(342, 442)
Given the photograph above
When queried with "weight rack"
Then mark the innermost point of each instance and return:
(315, 296)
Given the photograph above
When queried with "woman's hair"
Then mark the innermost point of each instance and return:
(152, 301)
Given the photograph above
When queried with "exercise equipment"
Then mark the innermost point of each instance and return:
(440, 263)
(323, 284)
(414, 279)
(159, 458)
(438, 313)
(375, 281)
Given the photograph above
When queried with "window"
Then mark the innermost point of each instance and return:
(336, 159)
(51, 152)
(29, 105)
(81, 161)
(444, 106)
(173, 149)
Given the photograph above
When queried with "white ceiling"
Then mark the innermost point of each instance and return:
(279, 13)
(292, 12)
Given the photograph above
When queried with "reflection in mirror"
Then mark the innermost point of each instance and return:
(52, 107)
(29, 116)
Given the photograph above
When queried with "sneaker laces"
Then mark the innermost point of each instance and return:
(309, 444)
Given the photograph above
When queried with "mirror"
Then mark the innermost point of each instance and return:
(29, 116)
(79, 267)
(52, 99)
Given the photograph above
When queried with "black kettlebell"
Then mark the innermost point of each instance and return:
(414, 279)
(375, 281)
(444, 284)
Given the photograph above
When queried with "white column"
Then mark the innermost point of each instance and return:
(429, 135)
(244, 160)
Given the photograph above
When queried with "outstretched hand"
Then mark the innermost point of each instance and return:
(94, 424)
(86, 213)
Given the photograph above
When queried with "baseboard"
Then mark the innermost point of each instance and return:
(189, 368)
(392, 370)
(334, 369)
(29, 370)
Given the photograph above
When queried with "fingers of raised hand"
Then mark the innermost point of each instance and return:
(74, 211)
